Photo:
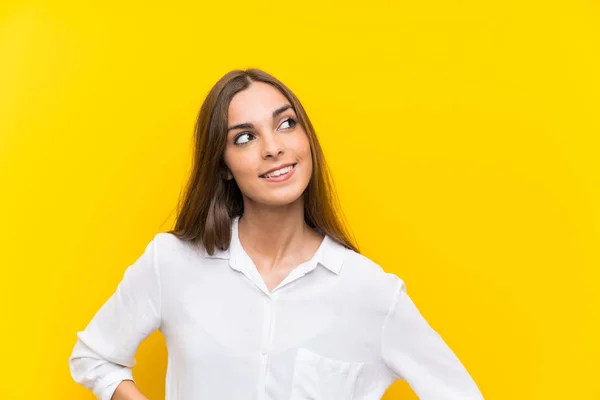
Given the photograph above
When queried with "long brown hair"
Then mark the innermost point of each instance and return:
(210, 202)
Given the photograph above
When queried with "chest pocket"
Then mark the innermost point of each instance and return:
(321, 378)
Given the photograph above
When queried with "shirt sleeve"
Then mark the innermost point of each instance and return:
(417, 354)
(104, 352)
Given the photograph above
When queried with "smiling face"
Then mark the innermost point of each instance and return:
(264, 135)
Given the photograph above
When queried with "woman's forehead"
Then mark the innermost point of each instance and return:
(256, 102)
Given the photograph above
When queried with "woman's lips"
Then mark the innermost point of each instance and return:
(283, 177)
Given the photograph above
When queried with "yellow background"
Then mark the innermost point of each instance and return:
(463, 138)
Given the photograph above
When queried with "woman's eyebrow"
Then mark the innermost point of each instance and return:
(248, 125)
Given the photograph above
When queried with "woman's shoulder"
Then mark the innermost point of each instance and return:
(170, 247)
(169, 241)
(365, 272)
(363, 265)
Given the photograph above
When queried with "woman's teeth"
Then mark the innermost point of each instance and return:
(279, 172)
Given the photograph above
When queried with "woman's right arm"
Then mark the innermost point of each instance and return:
(103, 356)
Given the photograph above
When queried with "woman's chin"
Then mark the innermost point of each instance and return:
(276, 196)
(283, 199)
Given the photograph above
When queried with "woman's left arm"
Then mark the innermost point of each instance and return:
(417, 354)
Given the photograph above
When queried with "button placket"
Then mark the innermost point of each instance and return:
(268, 320)
(266, 341)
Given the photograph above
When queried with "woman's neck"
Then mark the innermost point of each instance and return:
(276, 235)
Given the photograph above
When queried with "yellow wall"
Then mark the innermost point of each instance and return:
(463, 136)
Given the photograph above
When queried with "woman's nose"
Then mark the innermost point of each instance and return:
(271, 146)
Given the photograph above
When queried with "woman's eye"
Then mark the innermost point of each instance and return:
(243, 138)
(290, 121)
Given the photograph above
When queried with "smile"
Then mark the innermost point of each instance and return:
(280, 174)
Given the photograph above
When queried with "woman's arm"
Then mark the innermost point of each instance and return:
(106, 379)
(418, 355)
(103, 355)
(127, 390)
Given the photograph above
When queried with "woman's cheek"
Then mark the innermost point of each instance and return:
(307, 154)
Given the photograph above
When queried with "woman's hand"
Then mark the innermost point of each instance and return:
(127, 390)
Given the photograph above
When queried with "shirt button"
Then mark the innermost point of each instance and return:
(264, 351)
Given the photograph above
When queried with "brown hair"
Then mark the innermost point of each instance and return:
(210, 202)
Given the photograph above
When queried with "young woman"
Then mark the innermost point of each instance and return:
(258, 290)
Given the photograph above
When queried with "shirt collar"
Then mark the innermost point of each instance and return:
(330, 253)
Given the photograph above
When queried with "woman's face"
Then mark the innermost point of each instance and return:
(263, 136)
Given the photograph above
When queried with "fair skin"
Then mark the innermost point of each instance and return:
(127, 390)
(272, 230)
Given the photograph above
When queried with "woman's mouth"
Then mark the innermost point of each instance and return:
(281, 174)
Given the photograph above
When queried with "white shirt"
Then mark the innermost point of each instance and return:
(336, 328)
